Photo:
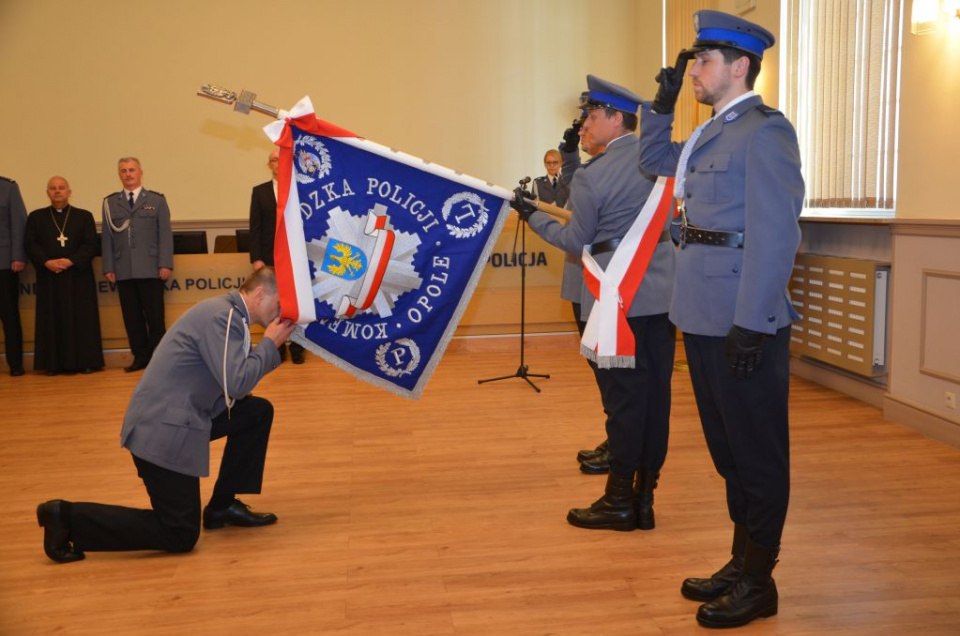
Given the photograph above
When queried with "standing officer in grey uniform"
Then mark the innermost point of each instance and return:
(606, 196)
(739, 179)
(195, 390)
(138, 257)
(13, 258)
(594, 461)
(552, 188)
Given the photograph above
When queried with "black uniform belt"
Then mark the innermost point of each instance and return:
(609, 246)
(691, 234)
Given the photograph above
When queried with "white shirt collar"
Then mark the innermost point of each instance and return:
(136, 193)
(734, 102)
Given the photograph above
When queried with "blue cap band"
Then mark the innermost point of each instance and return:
(615, 101)
(743, 40)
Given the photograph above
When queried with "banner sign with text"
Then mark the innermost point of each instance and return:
(377, 252)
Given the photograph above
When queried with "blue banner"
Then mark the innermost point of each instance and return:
(394, 247)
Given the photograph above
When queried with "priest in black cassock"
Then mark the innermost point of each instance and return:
(61, 243)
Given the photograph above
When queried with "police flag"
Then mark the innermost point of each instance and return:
(377, 252)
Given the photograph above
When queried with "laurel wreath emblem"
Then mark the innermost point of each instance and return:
(381, 358)
(322, 154)
(471, 199)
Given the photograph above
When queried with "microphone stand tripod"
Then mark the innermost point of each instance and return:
(522, 370)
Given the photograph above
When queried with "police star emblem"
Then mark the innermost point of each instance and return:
(362, 263)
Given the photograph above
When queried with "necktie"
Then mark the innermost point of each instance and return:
(679, 188)
(131, 199)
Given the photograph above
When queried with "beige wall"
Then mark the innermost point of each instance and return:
(483, 86)
(929, 125)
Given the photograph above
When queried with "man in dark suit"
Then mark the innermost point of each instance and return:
(196, 389)
(137, 247)
(263, 232)
(738, 178)
(13, 258)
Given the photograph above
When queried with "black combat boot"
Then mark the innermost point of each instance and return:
(754, 595)
(646, 484)
(598, 464)
(591, 453)
(616, 510)
(704, 590)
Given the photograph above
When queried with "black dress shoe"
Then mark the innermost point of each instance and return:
(16, 371)
(56, 537)
(88, 370)
(136, 366)
(591, 453)
(237, 514)
(296, 355)
(51, 372)
(597, 465)
(282, 350)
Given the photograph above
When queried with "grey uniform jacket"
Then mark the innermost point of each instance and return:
(572, 281)
(742, 176)
(13, 223)
(606, 196)
(146, 245)
(169, 418)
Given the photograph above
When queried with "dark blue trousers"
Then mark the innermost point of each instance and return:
(745, 422)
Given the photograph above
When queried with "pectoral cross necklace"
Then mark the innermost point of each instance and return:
(60, 230)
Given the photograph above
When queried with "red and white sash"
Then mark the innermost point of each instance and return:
(607, 338)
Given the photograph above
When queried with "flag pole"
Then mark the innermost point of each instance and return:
(247, 101)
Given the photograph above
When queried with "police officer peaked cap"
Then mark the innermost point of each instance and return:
(716, 29)
(604, 94)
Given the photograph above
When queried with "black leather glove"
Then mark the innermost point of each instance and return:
(744, 351)
(670, 81)
(523, 207)
(571, 137)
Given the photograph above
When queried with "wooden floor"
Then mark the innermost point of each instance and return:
(447, 515)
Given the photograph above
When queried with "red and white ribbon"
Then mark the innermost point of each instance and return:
(607, 338)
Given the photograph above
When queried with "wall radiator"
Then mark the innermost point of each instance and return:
(843, 307)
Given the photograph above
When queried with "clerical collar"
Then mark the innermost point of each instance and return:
(61, 210)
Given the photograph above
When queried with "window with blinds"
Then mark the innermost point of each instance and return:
(839, 85)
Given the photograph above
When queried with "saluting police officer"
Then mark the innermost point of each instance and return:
(13, 258)
(738, 177)
(138, 257)
(606, 196)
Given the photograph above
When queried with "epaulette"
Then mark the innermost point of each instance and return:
(7, 179)
(593, 160)
(154, 192)
(769, 111)
(113, 194)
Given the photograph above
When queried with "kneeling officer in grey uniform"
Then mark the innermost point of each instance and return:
(195, 390)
